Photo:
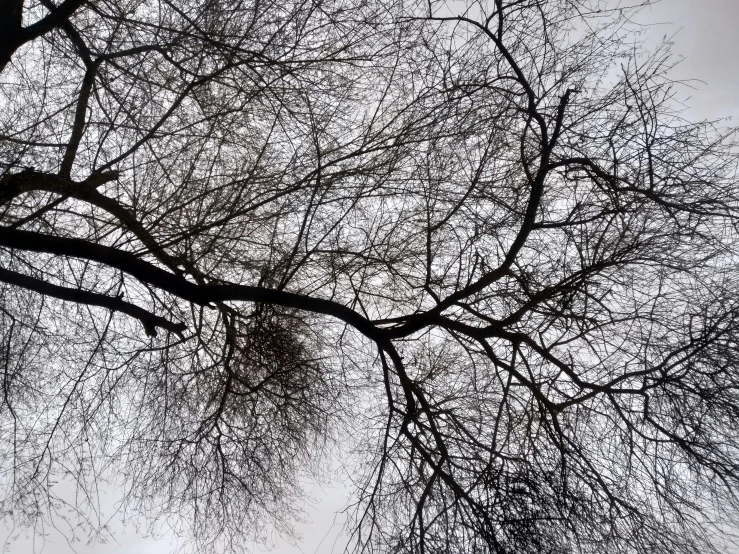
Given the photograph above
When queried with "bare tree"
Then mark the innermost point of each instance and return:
(480, 237)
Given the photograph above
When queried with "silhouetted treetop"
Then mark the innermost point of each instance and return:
(477, 243)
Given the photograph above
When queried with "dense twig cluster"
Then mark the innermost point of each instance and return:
(223, 225)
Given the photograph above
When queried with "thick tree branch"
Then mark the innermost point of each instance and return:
(179, 286)
(29, 180)
(14, 35)
(149, 320)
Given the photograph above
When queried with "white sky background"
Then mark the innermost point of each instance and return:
(706, 34)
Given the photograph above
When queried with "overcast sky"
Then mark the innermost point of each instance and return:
(706, 36)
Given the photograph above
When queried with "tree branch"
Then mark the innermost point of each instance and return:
(179, 286)
(15, 36)
(149, 320)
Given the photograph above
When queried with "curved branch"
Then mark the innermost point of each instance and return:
(149, 320)
(16, 36)
(179, 286)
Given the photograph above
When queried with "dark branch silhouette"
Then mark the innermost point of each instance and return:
(478, 246)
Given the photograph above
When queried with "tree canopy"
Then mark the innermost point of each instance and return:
(477, 241)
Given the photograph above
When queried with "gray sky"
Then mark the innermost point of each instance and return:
(705, 35)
